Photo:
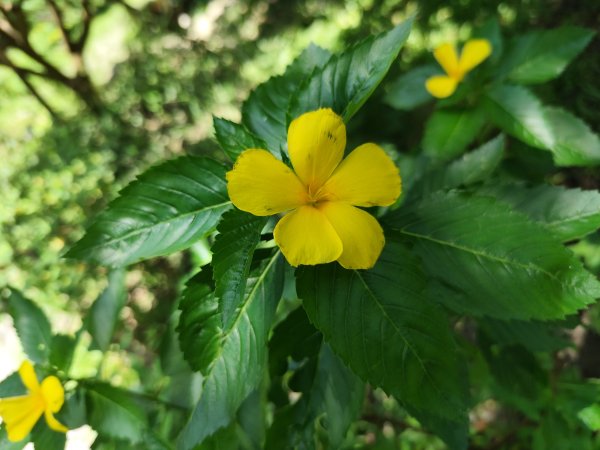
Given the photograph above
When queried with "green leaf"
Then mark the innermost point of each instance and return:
(264, 112)
(45, 438)
(234, 138)
(360, 314)
(519, 113)
(590, 416)
(491, 260)
(166, 209)
(199, 326)
(575, 143)
(533, 335)
(239, 234)
(568, 213)
(32, 327)
(5, 444)
(543, 55)
(238, 367)
(104, 313)
(349, 79)
(62, 351)
(408, 91)
(491, 31)
(448, 132)
(473, 167)
(113, 412)
(12, 386)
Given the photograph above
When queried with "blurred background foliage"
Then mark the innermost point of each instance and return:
(92, 92)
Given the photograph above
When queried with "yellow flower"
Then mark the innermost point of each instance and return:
(474, 53)
(319, 197)
(20, 414)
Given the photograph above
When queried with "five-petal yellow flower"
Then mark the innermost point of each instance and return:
(320, 196)
(20, 414)
(473, 53)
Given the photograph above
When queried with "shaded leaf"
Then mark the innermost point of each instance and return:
(491, 260)
(408, 91)
(166, 209)
(535, 336)
(234, 138)
(45, 438)
(349, 79)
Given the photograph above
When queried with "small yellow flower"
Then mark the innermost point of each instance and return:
(20, 414)
(320, 196)
(474, 53)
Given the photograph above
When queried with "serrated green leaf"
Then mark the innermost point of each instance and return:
(199, 326)
(491, 260)
(104, 313)
(32, 327)
(361, 312)
(519, 113)
(264, 112)
(568, 213)
(535, 336)
(239, 365)
(45, 438)
(239, 234)
(349, 79)
(575, 144)
(543, 55)
(113, 412)
(5, 444)
(166, 209)
(448, 132)
(234, 138)
(408, 91)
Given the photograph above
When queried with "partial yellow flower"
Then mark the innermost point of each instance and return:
(20, 414)
(473, 53)
(319, 198)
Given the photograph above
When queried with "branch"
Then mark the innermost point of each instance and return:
(23, 76)
(61, 24)
(87, 21)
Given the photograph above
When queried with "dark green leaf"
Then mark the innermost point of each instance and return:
(574, 143)
(408, 91)
(234, 138)
(104, 313)
(449, 132)
(238, 367)
(199, 324)
(519, 113)
(61, 351)
(383, 326)
(264, 112)
(491, 31)
(491, 260)
(45, 438)
(349, 79)
(32, 327)
(5, 444)
(12, 386)
(568, 213)
(533, 335)
(543, 55)
(166, 209)
(113, 412)
(239, 234)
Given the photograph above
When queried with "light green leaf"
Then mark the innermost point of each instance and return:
(238, 367)
(519, 113)
(568, 213)
(591, 416)
(234, 138)
(408, 91)
(239, 234)
(381, 323)
(113, 412)
(165, 210)
(448, 132)
(493, 261)
(543, 55)
(264, 113)
(349, 79)
(32, 327)
(104, 313)
(575, 144)
(5, 444)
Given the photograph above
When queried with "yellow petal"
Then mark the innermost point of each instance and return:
(54, 424)
(441, 86)
(306, 237)
(473, 53)
(20, 415)
(28, 377)
(361, 234)
(367, 177)
(446, 55)
(262, 185)
(53, 393)
(316, 143)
